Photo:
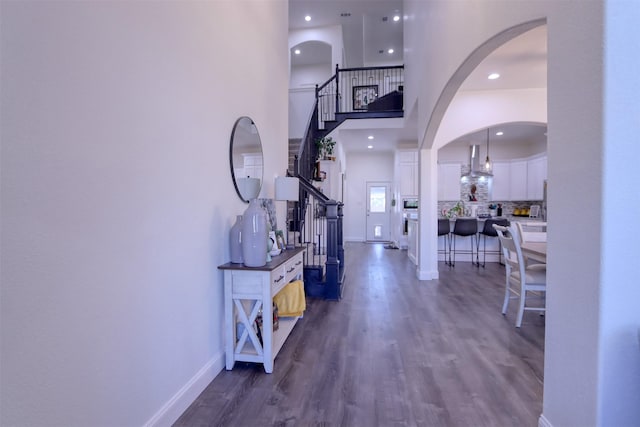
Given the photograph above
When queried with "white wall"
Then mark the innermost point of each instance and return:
(471, 111)
(363, 167)
(331, 35)
(308, 76)
(117, 198)
(301, 103)
(499, 151)
(591, 351)
(619, 355)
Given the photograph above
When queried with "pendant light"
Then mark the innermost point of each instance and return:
(487, 163)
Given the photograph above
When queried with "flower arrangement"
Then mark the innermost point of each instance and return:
(457, 210)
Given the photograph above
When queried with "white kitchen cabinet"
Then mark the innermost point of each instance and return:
(518, 180)
(449, 181)
(408, 179)
(408, 173)
(501, 181)
(252, 166)
(536, 174)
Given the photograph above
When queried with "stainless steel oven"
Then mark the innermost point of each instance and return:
(410, 204)
(409, 210)
(406, 216)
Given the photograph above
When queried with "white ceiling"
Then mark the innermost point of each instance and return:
(367, 28)
(521, 62)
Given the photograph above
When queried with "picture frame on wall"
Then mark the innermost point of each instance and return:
(363, 96)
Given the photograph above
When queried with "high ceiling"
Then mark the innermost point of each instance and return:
(368, 29)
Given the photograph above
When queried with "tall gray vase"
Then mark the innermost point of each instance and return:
(235, 241)
(254, 235)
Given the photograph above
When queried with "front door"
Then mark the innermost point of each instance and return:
(378, 211)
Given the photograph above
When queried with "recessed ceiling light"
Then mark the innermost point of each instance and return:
(499, 133)
(493, 76)
(307, 18)
(396, 18)
(369, 147)
(297, 51)
(390, 51)
(370, 137)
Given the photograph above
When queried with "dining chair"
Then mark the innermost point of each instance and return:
(520, 278)
(489, 231)
(531, 231)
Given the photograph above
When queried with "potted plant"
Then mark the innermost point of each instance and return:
(325, 148)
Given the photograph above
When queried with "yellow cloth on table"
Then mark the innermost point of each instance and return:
(290, 300)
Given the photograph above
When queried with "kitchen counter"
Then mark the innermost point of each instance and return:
(490, 243)
(511, 218)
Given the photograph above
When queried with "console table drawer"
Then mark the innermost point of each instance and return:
(246, 283)
(278, 279)
(293, 268)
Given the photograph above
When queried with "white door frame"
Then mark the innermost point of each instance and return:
(378, 224)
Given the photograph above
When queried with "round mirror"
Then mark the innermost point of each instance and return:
(245, 154)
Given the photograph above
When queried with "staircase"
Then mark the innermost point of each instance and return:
(314, 220)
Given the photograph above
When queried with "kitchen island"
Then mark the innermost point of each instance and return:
(492, 246)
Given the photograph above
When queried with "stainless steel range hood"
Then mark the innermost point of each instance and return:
(474, 160)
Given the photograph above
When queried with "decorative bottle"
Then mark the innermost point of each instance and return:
(235, 239)
(254, 235)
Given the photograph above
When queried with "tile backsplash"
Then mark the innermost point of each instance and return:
(483, 197)
(483, 207)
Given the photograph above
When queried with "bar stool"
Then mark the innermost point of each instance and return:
(444, 229)
(489, 231)
(465, 227)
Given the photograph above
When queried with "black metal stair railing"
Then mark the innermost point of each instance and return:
(352, 93)
(319, 230)
(361, 91)
(316, 221)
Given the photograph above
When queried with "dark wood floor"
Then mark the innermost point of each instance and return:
(394, 352)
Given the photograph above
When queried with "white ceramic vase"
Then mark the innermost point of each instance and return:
(235, 240)
(254, 235)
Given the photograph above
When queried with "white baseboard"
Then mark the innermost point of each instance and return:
(543, 421)
(171, 411)
(427, 274)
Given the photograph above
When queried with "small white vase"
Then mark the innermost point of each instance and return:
(235, 240)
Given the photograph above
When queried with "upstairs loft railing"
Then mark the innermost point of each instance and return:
(359, 90)
(352, 93)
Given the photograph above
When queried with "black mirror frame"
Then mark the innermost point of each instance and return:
(231, 164)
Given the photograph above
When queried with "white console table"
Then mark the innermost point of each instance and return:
(247, 290)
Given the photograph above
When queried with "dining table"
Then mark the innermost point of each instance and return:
(535, 250)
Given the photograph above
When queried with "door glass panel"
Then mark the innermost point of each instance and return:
(377, 199)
